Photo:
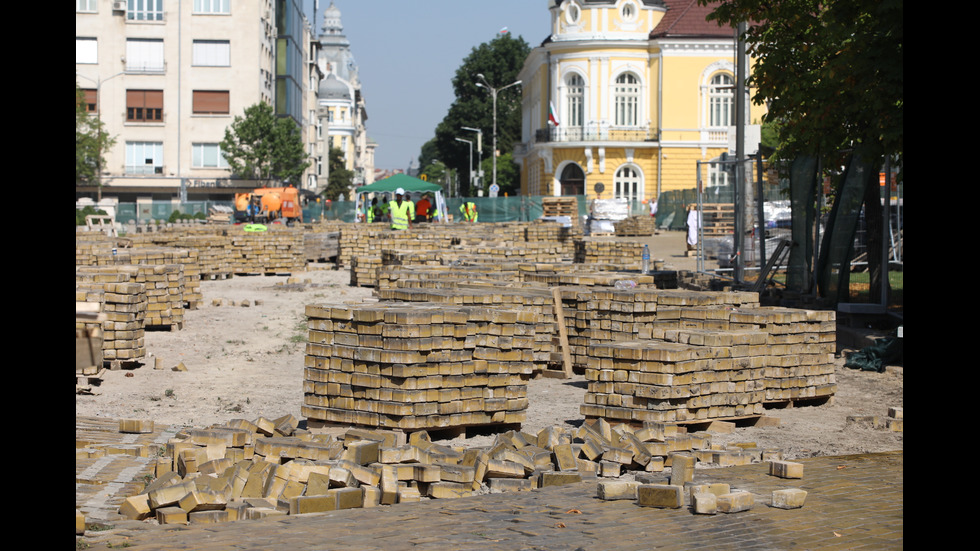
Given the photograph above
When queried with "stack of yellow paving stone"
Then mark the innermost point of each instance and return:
(416, 366)
(276, 251)
(626, 254)
(124, 306)
(693, 375)
(801, 350)
(537, 301)
(163, 291)
(636, 226)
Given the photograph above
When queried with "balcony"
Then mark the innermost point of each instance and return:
(596, 132)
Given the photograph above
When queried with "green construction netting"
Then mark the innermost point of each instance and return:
(803, 200)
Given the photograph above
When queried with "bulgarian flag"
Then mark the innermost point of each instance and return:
(552, 114)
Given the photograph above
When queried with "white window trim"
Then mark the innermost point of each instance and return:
(639, 180)
(640, 95)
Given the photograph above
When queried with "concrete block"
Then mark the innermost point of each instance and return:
(612, 490)
(786, 469)
(79, 523)
(663, 496)
(896, 413)
(312, 504)
(681, 468)
(170, 495)
(790, 498)
(171, 515)
(704, 503)
(559, 479)
(510, 485)
(136, 507)
(209, 517)
(449, 490)
(895, 425)
(735, 502)
(135, 426)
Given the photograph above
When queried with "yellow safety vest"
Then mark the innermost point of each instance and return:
(400, 214)
(469, 211)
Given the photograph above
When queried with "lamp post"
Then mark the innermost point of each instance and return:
(471, 158)
(479, 151)
(98, 113)
(493, 92)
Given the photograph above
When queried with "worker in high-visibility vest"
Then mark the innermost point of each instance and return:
(401, 211)
(369, 210)
(469, 211)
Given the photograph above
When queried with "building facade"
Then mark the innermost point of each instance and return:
(341, 100)
(168, 77)
(629, 94)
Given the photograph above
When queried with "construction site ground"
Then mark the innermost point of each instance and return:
(242, 358)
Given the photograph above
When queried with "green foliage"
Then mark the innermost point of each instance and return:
(830, 71)
(340, 178)
(91, 142)
(177, 215)
(508, 175)
(81, 214)
(498, 61)
(262, 146)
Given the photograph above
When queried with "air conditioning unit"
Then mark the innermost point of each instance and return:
(119, 5)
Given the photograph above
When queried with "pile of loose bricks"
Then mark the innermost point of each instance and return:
(245, 470)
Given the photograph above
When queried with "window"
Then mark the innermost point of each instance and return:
(718, 174)
(91, 100)
(208, 155)
(144, 10)
(629, 11)
(627, 97)
(575, 100)
(211, 53)
(86, 50)
(144, 157)
(210, 102)
(721, 99)
(572, 15)
(86, 6)
(144, 105)
(627, 184)
(144, 55)
(212, 6)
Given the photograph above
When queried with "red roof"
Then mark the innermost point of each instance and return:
(687, 19)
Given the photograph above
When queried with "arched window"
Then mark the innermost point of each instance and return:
(627, 184)
(627, 96)
(721, 101)
(572, 180)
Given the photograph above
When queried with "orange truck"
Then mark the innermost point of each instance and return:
(269, 204)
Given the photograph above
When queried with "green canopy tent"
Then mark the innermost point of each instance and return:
(406, 182)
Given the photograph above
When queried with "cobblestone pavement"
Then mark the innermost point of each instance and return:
(853, 502)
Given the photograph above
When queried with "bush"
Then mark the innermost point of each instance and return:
(81, 214)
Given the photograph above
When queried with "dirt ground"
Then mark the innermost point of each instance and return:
(247, 362)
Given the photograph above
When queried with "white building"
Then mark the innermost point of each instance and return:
(167, 77)
(341, 100)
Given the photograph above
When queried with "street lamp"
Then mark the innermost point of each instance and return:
(493, 92)
(98, 112)
(471, 158)
(479, 150)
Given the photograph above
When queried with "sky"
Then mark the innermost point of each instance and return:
(407, 52)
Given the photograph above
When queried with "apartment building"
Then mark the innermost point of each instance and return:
(167, 77)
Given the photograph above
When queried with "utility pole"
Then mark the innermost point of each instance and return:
(493, 92)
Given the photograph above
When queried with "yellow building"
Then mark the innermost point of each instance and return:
(629, 94)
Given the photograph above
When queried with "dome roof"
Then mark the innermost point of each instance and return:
(331, 20)
(334, 88)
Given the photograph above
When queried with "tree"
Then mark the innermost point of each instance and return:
(830, 71)
(498, 61)
(340, 179)
(261, 146)
(91, 142)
